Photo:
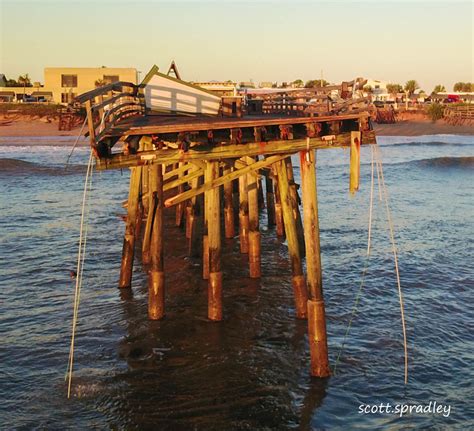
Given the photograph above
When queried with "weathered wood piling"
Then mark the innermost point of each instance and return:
(211, 170)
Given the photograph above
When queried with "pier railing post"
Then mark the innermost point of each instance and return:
(214, 245)
(316, 313)
(298, 280)
(156, 276)
(128, 250)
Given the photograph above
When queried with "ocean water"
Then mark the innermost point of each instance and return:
(251, 370)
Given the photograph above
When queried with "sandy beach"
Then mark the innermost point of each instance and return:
(37, 127)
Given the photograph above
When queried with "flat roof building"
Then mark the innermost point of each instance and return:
(66, 83)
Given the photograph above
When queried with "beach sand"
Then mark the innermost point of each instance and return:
(36, 127)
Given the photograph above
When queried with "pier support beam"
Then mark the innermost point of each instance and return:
(295, 202)
(253, 233)
(270, 199)
(156, 276)
(128, 250)
(214, 245)
(280, 227)
(316, 313)
(243, 214)
(298, 280)
(228, 207)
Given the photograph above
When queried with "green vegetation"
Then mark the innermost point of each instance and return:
(435, 111)
(368, 89)
(411, 86)
(439, 89)
(464, 86)
(22, 81)
(393, 89)
(32, 109)
(316, 83)
(298, 83)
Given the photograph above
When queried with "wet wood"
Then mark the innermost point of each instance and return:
(214, 242)
(253, 232)
(228, 206)
(156, 277)
(295, 204)
(222, 180)
(166, 156)
(280, 226)
(298, 281)
(316, 313)
(270, 198)
(354, 174)
(243, 214)
(128, 249)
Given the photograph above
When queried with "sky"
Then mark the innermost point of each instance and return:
(429, 41)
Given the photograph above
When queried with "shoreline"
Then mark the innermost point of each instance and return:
(416, 127)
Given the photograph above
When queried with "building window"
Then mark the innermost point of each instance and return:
(67, 97)
(69, 81)
(110, 79)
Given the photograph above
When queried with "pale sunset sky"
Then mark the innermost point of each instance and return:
(430, 41)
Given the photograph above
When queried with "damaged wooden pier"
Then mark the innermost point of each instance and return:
(218, 162)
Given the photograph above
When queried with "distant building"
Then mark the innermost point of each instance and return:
(379, 90)
(66, 83)
(63, 84)
(227, 88)
(247, 84)
(265, 84)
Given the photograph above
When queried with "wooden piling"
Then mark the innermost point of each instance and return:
(180, 208)
(295, 203)
(156, 277)
(243, 215)
(228, 207)
(214, 245)
(316, 313)
(280, 226)
(195, 224)
(128, 249)
(253, 233)
(298, 280)
(270, 199)
(147, 204)
(207, 210)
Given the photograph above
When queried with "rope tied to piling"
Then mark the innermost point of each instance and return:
(80, 266)
(383, 195)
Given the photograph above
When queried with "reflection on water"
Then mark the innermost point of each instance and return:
(251, 370)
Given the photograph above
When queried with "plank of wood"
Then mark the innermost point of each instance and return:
(166, 156)
(222, 180)
(158, 125)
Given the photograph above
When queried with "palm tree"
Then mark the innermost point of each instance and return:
(25, 81)
(394, 89)
(99, 83)
(411, 86)
(439, 89)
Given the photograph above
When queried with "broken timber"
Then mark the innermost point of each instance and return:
(185, 161)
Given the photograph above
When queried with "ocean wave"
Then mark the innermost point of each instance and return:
(427, 144)
(446, 162)
(425, 139)
(16, 166)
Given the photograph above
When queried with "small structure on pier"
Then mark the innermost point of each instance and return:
(192, 157)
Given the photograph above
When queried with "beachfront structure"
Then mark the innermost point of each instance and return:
(63, 84)
(186, 162)
(66, 83)
(220, 88)
(163, 93)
